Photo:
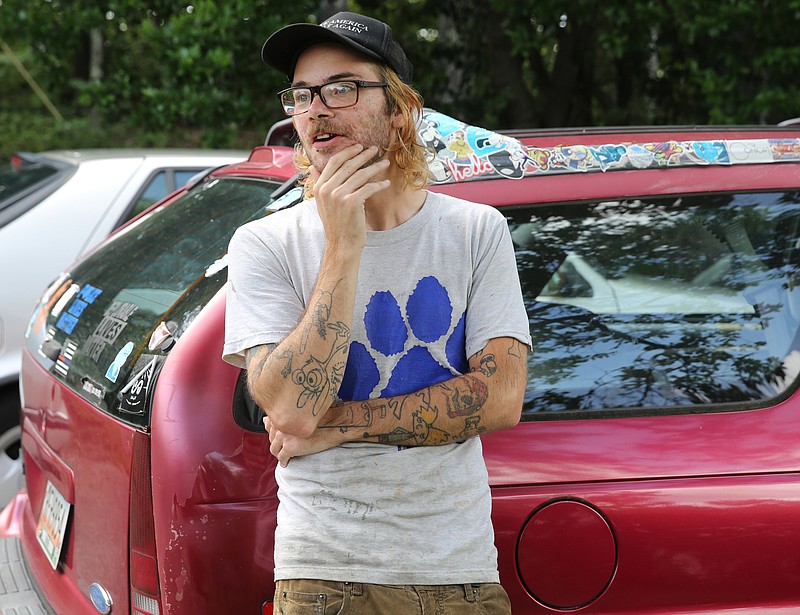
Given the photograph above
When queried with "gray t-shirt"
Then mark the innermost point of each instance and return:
(431, 292)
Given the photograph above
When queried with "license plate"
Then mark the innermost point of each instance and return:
(52, 524)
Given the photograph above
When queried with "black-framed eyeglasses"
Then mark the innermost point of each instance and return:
(335, 95)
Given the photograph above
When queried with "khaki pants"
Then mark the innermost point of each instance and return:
(311, 597)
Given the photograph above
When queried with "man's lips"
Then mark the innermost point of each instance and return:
(327, 139)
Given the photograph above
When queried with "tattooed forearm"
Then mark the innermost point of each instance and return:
(319, 378)
(486, 399)
(440, 414)
(320, 314)
(256, 359)
(317, 375)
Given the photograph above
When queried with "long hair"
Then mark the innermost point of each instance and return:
(407, 151)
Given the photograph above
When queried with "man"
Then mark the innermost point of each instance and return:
(383, 329)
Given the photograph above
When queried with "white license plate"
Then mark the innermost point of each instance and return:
(52, 524)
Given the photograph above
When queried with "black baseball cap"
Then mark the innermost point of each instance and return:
(368, 36)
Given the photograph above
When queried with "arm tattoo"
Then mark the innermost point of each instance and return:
(488, 365)
(465, 400)
(263, 354)
(267, 357)
(467, 397)
(317, 377)
(320, 314)
(320, 377)
(514, 349)
(255, 359)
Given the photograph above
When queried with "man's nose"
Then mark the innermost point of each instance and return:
(317, 108)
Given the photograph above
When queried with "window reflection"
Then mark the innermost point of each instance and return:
(652, 303)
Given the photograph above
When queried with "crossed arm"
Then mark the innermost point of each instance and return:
(489, 398)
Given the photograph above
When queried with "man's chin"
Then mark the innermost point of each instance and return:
(320, 156)
(376, 158)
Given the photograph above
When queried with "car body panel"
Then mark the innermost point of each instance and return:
(101, 459)
(648, 511)
(679, 544)
(225, 496)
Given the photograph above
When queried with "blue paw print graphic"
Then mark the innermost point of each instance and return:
(428, 317)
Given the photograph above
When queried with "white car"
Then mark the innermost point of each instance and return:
(576, 282)
(54, 206)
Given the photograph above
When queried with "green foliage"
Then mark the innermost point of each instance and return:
(166, 68)
(190, 73)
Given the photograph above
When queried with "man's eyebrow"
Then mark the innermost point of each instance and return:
(329, 78)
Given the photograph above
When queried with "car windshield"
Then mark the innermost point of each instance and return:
(653, 303)
(94, 332)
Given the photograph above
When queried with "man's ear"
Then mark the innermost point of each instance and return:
(397, 119)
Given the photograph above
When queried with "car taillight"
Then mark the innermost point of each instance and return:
(145, 594)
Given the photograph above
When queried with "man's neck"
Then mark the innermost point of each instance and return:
(395, 205)
(389, 209)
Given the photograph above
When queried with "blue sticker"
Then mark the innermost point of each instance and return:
(89, 293)
(77, 307)
(67, 323)
(113, 370)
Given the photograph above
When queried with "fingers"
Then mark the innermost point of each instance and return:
(349, 172)
(346, 162)
(276, 443)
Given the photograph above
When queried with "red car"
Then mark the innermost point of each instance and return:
(657, 465)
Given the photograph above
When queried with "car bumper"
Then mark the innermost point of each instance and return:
(18, 591)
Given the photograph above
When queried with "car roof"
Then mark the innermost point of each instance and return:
(590, 133)
(77, 156)
(463, 153)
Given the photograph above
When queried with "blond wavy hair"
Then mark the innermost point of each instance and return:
(408, 153)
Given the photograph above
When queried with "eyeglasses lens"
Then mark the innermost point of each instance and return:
(335, 96)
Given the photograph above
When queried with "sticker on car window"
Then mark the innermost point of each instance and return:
(89, 293)
(64, 360)
(133, 396)
(90, 387)
(115, 319)
(112, 373)
(67, 321)
(217, 266)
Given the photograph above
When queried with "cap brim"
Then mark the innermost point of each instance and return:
(282, 49)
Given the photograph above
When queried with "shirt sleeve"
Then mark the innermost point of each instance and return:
(495, 306)
(262, 305)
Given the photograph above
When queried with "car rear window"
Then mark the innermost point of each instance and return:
(94, 327)
(21, 177)
(660, 304)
